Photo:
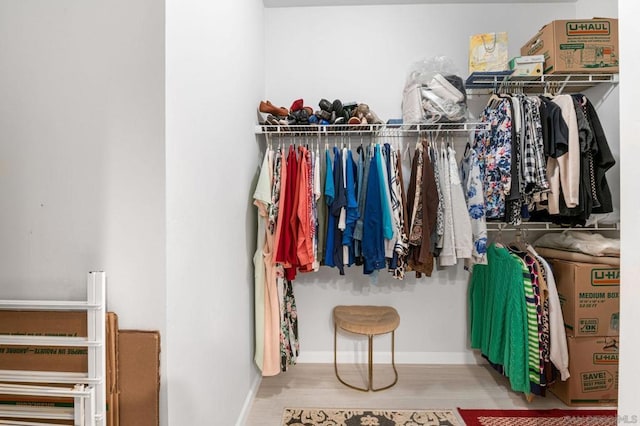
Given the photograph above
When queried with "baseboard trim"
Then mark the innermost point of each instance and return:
(248, 401)
(351, 357)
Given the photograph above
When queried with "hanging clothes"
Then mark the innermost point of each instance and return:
(498, 314)
(337, 211)
(463, 236)
(438, 238)
(385, 198)
(303, 215)
(262, 201)
(289, 345)
(558, 351)
(287, 248)
(398, 199)
(430, 202)
(351, 210)
(447, 255)
(318, 211)
(364, 162)
(564, 171)
(329, 195)
(515, 319)
(267, 310)
(373, 250)
(588, 148)
(276, 332)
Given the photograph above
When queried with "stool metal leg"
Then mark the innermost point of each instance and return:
(393, 364)
(370, 363)
(335, 361)
(370, 385)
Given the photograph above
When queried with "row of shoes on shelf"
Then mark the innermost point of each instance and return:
(329, 113)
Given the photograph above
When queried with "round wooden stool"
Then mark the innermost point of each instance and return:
(369, 321)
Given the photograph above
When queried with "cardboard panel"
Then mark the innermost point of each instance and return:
(112, 387)
(139, 377)
(54, 358)
(43, 323)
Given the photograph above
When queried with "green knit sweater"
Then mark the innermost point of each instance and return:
(498, 314)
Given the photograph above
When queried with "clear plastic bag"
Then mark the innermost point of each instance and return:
(434, 93)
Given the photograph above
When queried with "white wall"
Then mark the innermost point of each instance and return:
(363, 54)
(215, 69)
(630, 150)
(82, 153)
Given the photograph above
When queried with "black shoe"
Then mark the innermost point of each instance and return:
(323, 114)
(337, 107)
(325, 105)
(350, 108)
(302, 116)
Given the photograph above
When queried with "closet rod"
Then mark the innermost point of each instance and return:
(549, 226)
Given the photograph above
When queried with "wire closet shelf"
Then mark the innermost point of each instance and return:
(384, 130)
(482, 83)
(549, 226)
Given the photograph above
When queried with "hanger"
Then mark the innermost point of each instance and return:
(494, 99)
(498, 241)
(269, 145)
(519, 243)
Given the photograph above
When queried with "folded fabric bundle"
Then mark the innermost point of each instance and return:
(592, 244)
(551, 253)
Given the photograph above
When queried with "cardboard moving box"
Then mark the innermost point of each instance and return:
(593, 365)
(139, 377)
(577, 46)
(589, 296)
(527, 66)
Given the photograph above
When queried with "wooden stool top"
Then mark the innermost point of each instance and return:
(366, 319)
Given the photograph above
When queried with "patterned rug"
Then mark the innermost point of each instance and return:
(360, 417)
(553, 417)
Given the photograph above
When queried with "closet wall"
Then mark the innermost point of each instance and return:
(215, 68)
(363, 53)
(82, 152)
(82, 164)
(630, 172)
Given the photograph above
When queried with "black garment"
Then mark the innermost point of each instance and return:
(339, 202)
(513, 201)
(578, 215)
(595, 160)
(555, 131)
(602, 160)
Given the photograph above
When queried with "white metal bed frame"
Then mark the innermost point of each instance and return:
(88, 390)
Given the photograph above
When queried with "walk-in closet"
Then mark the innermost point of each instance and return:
(418, 33)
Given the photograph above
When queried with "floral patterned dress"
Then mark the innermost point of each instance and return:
(486, 173)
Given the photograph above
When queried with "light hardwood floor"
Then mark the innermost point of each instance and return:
(418, 387)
